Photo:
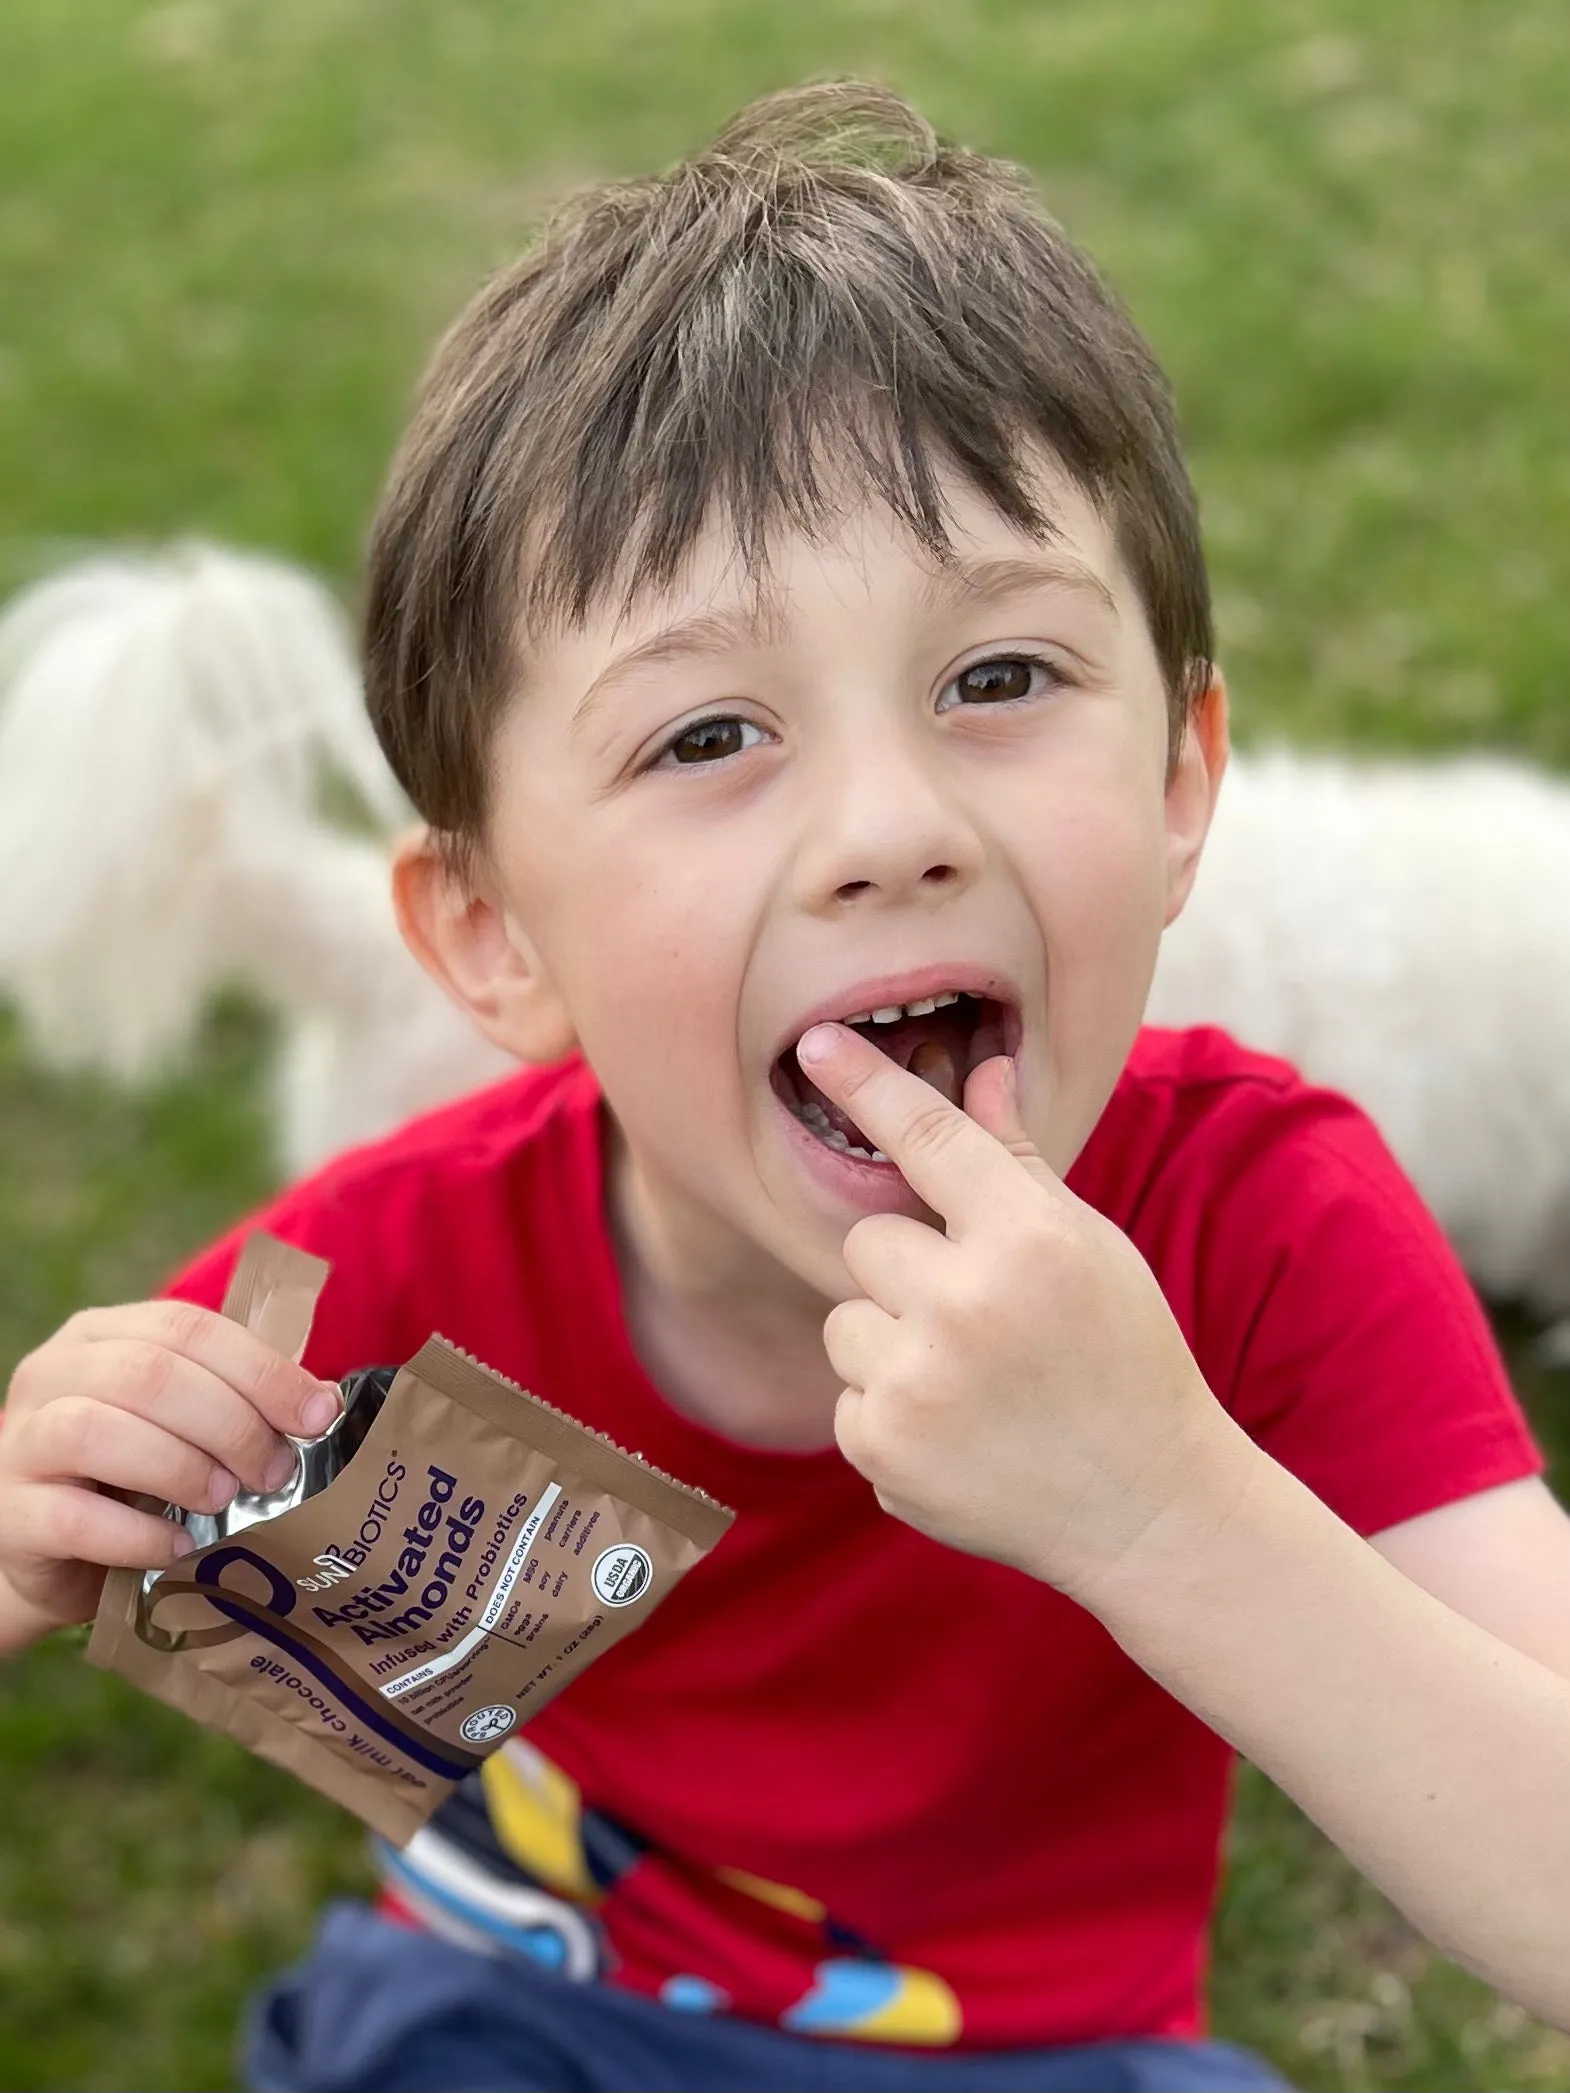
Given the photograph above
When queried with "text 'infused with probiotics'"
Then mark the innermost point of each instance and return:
(445, 1559)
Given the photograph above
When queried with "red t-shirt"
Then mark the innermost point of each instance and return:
(847, 1780)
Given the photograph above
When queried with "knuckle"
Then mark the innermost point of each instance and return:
(279, 1390)
(836, 1322)
(28, 1379)
(878, 1445)
(856, 1255)
(17, 1447)
(851, 1431)
(154, 1544)
(1039, 1233)
(870, 1233)
(69, 1530)
(249, 1443)
(971, 1302)
(930, 1128)
(142, 1371)
(73, 1426)
(837, 1344)
(183, 1324)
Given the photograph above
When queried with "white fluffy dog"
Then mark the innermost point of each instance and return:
(1400, 931)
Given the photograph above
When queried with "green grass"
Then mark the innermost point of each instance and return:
(228, 233)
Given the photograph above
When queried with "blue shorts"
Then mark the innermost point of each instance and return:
(376, 2008)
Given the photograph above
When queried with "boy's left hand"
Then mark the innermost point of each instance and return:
(1018, 1386)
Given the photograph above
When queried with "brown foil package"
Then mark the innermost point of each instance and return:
(446, 1559)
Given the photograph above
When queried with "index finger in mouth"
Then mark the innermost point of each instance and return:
(944, 1156)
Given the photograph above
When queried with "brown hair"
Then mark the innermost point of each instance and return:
(828, 285)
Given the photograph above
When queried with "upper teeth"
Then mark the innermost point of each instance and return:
(891, 1011)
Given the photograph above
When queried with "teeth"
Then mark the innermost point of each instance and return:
(891, 1013)
(813, 1115)
(848, 1147)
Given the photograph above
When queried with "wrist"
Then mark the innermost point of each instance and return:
(1171, 1530)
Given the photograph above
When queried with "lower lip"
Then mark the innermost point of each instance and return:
(872, 1188)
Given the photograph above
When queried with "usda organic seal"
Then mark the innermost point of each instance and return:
(621, 1574)
(487, 1724)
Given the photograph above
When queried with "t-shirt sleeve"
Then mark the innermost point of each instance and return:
(1356, 1351)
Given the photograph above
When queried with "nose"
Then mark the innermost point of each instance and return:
(884, 827)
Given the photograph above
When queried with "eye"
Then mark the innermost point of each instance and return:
(709, 741)
(1003, 679)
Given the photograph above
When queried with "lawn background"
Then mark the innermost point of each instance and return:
(228, 234)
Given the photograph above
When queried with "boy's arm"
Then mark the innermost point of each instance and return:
(1436, 1755)
(1502, 1558)
(1018, 1386)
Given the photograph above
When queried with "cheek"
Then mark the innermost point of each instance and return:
(648, 967)
(1112, 869)
(1095, 850)
(1097, 872)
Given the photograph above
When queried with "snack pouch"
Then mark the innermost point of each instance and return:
(446, 1558)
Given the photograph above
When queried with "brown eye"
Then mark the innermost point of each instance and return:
(995, 682)
(710, 741)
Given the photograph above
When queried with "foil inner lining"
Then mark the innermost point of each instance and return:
(317, 1463)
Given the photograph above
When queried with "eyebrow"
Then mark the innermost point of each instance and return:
(704, 633)
(712, 633)
(965, 583)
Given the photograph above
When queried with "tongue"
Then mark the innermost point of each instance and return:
(935, 1047)
(939, 1060)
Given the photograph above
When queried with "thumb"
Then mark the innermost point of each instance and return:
(847, 1424)
(992, 1100)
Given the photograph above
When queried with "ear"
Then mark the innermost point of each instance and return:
(469, 942)
(1191, 791)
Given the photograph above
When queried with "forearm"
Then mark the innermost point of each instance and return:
(1436, 1756)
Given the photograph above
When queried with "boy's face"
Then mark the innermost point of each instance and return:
(713, 826)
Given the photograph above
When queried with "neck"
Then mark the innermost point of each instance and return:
(727, 1335)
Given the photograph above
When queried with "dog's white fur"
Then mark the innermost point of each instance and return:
(1400, 931)
(168, 727)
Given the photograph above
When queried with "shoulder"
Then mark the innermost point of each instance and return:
(1317, 1292)
(1196, 1114)
(437, 1209)
(1227, 1166)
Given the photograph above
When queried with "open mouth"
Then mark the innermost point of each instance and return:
(941, 1038)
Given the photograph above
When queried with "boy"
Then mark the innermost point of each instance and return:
(787, 613)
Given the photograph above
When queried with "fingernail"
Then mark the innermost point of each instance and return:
(223, 1486)
(279, 1468)
(817, 1043)
(182, 1542)
(320, 1411)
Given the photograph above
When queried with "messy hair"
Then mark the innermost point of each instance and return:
(829, 300)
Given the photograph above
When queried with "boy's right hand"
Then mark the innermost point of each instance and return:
(158, 1397)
